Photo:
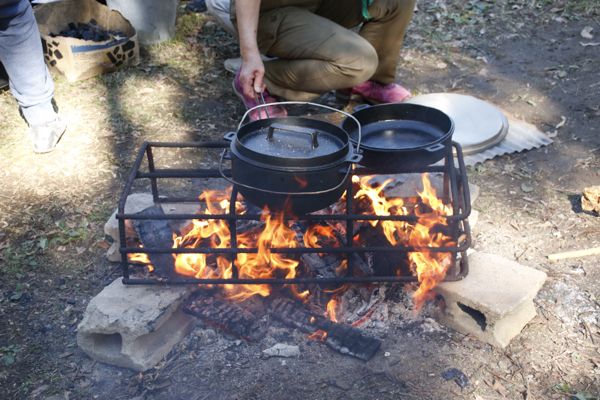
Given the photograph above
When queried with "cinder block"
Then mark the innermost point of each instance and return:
(494, 302)
(134, 326)
(139, 202)
(134, 204)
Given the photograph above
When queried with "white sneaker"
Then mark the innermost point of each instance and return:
(44, 137)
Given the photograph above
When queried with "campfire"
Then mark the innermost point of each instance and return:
(300, 265)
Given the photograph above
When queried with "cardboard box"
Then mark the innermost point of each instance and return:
(76, 59)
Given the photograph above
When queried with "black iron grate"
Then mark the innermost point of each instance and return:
(456, 193)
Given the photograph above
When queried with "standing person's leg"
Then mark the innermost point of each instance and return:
(30, 81)
(315, 55)
(22, 55)
(219, 9)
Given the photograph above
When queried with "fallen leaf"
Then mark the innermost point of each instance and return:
(80, 249)
(104, 244)
(17, 296)
(562, 122)
(586, 33)
(556, 9)
(442, 65)
(552, 134)
(590, 44)
(39, 390)
(498, 387)
(531, 103)
(526, 188)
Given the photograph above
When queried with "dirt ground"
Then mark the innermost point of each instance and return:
(538, 60)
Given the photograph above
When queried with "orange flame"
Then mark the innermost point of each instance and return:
(276, 233)
(331, 309)
(319, 335)
(430, 267)
(141, 258)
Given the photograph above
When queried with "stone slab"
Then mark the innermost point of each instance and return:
(134, 326)
(494, 301)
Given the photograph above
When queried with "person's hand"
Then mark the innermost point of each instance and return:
(251, 75)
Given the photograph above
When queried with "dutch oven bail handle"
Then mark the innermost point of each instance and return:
(355, 158)
(303, 103)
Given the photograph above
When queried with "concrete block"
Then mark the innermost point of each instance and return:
(473, 218)
(113, 252)
(134, 204)
(180, 208)
(134, 326)
(494, 302)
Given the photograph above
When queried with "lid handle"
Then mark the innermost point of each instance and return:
(294, 129)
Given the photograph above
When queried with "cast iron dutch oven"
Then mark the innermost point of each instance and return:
(292, 164)
(399, 136)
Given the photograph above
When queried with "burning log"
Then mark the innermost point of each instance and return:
(325, 267)
(366, 269)
(344, 338)
(384, 264)
(227, 315)
(153, 234)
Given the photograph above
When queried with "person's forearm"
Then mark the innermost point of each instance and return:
(247, 12)
(253, 69)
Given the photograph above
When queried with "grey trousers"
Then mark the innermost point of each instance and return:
(22, 55)
(316, 50)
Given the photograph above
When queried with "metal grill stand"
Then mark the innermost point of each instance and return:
(456, 193)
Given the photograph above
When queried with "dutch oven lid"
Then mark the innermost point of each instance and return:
(478, 124)
(291, 142)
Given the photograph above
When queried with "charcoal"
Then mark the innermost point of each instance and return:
(156, 234)
(364, 267)
(89, 31)
(341, 337)
(382, 263)
(229, 316)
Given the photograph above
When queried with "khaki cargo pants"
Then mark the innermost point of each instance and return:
(316, 52)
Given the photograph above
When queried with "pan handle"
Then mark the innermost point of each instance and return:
(354, 158)
(361, 107)
(294, 129)
(435, 147)
(229, 135)
(274, 192)
(310, 104)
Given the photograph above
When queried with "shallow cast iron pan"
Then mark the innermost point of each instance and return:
(400, 136)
